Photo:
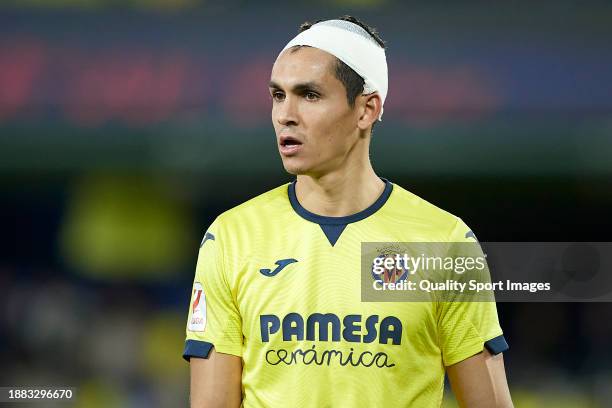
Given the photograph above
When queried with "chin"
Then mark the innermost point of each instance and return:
(294, 168)
(296, 171)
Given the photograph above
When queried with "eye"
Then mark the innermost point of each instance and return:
(278, 96)
(311, 96)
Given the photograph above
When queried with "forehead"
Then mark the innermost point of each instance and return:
(306, 64)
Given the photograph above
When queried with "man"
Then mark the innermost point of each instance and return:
(276, 317)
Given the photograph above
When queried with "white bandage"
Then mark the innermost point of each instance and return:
(350, 44)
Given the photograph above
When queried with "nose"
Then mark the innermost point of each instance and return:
(287, 112)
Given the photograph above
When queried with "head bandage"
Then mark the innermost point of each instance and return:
(352, 45)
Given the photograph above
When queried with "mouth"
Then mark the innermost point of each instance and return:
(289, 145)
(289, 141)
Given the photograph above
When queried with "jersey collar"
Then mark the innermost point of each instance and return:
(325, 220)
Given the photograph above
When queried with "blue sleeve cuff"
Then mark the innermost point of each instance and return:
(195, 348)
(497, 345)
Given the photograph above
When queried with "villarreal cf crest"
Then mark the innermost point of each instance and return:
(389, 269)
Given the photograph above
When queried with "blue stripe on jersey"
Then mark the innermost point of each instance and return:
(497, 345)
(195, 348)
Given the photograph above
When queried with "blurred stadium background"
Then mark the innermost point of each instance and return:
(126, 126)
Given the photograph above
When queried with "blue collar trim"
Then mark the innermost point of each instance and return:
(324, 220)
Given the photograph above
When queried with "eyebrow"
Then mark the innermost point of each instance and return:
(298, 88)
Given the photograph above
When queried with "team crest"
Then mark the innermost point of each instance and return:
(390, 275)
(197, 322)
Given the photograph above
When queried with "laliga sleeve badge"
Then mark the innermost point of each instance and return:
(197, 322)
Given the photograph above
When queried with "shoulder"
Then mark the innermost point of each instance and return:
(239, 230)
(258, 209)
(415, 213)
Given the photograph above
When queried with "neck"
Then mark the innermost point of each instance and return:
(339, 193)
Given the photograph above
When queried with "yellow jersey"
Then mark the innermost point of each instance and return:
(280, 287)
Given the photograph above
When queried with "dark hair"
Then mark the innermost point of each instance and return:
(353, 83)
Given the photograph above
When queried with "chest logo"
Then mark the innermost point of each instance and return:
(281, 263)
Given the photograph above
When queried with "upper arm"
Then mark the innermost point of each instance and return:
(216, 381)
(480, 381)
(214, 337)
(468, 330)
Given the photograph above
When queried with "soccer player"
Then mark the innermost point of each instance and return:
(276, 317)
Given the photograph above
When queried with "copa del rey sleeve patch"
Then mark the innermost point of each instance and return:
(198, 309)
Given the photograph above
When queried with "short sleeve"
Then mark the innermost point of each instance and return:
(465, 328)
(213, 318)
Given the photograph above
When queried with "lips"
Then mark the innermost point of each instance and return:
(289, 145)
(287, 140)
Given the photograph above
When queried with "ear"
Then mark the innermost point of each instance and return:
(371, 107)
